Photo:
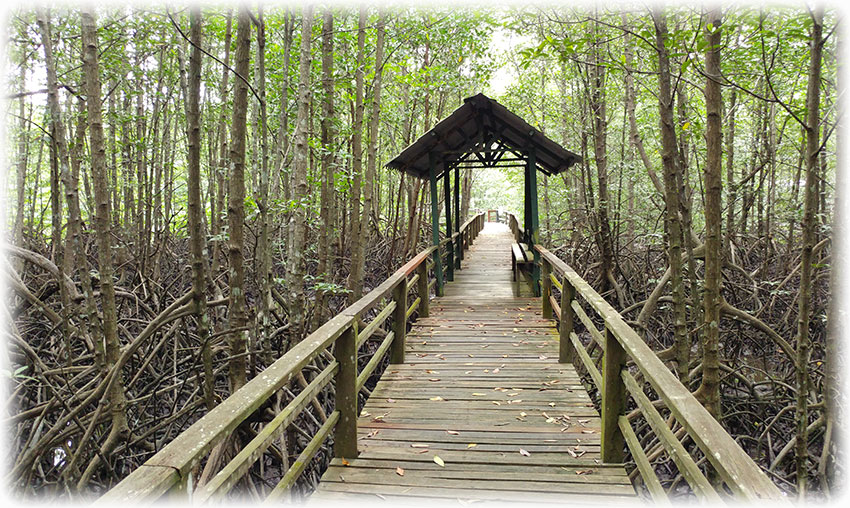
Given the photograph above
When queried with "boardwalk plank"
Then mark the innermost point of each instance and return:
(483, 390)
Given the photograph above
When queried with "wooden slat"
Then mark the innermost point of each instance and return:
(732, 463)
(585, 320)
(375, 360)
(188, 448)
(647, 472)
(303, 460)
(225, 479)
(686, 465)
(412, 308)
(587, 361)
(485, 366)
(373, 325)
(412, 282)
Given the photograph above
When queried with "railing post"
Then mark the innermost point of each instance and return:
(566, 351)
(399, 321)
(546, 290)
(613, 398)
(345, 433)
(422, 289)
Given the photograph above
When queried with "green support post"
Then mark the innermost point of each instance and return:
(450, 250)
(533, 222)
(435, 225)
(459, 243)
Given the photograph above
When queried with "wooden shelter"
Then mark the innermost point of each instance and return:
(481, 133)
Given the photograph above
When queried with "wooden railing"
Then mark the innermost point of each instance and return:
(628, 369)
(335, 346)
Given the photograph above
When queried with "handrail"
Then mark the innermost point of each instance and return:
(621, 344)
(170, 471)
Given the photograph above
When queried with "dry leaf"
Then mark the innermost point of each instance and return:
(453, 432)
(476, 394)
(345, 462)
(471, 445)
(523, 452)
(436, 398)
(439, 461)
(399, 471)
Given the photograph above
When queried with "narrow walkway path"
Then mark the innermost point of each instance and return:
(482, 410)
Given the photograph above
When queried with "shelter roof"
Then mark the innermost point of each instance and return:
(483, 127)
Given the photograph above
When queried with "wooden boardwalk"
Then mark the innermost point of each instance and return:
(482, 410)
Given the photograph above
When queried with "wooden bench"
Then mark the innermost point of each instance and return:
(520, 259)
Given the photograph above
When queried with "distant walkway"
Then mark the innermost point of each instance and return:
(482, 410)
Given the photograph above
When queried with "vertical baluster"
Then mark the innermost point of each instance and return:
(422, 289)
(546, 290)
(345, 433)
(566, 351)
(613, 399)
(399, 321)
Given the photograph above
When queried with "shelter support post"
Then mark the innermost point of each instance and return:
(435, 224)
(532, 221)
(450, 250)
(458, 219)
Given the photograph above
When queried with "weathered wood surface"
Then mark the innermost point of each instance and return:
(481, 388)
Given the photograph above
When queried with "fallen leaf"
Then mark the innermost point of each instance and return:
(399, 471)
(523, 452)
(476, 394)
(551, 404)
(585, 471)
(453, 432)
(436, 398)
(345, 462)
(471, 445)
(434, 379)
(523, 414)
(439, 461)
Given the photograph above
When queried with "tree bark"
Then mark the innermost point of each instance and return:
(669, 158)
(237, 313)
(196, 231)
(301, 161)
(103, 227)
(709, 390)
(809, 225)
(355, 279)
